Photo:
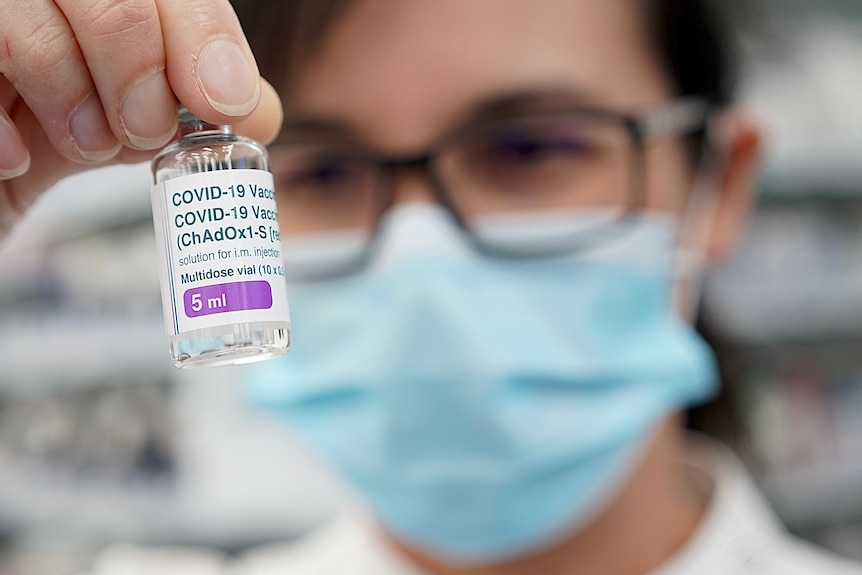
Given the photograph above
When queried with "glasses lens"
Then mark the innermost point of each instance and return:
(327, 204)
(549, 164)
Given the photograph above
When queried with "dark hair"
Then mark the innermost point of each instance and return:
(284, 33)
(694, 39)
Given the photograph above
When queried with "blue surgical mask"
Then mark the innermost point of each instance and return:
(485, 408)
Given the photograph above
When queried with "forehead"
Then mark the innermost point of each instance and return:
(400, 72)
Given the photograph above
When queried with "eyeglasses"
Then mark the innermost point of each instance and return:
(558, 161)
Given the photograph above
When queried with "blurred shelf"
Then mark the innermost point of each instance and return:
(796, 277)
(83, 204)
(803, 84)
(800, 409)
(76, 352)
(156, 515)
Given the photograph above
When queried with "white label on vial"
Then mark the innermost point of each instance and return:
(218, 236)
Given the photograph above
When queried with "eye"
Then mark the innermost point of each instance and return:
(530, 147)
(324, 173)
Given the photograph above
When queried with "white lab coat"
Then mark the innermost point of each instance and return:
(739, 535)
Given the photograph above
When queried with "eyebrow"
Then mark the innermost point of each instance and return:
(535, 99)
(531, 100)
(300, 124)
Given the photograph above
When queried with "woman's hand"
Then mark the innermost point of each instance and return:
(88, 82)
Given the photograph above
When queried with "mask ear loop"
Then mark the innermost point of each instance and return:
(696, 227)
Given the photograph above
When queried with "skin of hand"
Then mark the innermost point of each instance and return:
(94, 82)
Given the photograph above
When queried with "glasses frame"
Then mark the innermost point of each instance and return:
(683, 117)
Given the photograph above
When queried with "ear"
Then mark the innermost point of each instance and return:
(737, 141)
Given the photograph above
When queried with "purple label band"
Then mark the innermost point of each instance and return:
(222, 298)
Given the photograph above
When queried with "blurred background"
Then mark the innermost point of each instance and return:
(102, 441)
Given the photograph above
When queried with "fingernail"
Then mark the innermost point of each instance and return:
(14, 157)
(149, 113)
(91, 132)
(228, 81)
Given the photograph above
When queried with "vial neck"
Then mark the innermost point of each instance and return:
(191, 124)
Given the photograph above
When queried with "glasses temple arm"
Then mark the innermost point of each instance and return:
(679, 118)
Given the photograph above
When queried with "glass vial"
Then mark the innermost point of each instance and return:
(222, 276)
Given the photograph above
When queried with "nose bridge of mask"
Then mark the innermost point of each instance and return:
(412, 232)
(419, 230)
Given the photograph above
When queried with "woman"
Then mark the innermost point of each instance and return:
(495, 215)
